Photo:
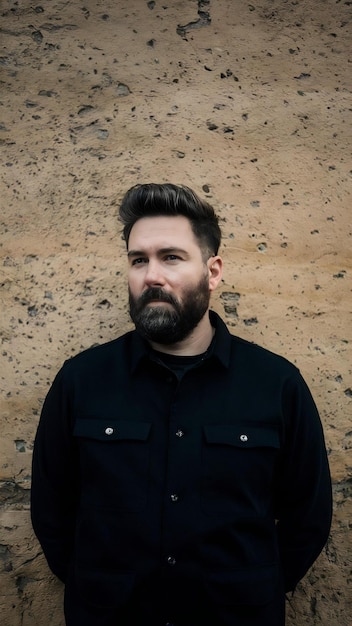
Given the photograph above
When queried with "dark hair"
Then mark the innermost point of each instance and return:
(154, 199)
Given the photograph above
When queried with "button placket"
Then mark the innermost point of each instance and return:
(172, 502)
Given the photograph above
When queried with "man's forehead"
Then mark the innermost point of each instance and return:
(163, 230)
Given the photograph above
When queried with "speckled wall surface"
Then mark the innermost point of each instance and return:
(249, 104)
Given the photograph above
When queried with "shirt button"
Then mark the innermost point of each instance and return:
(109, 431)
(171, 561)
(174, 497)
(243, 437)
(179, 433)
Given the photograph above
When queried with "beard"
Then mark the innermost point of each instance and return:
(169, 324)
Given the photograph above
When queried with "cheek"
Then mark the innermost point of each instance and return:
(134, 283)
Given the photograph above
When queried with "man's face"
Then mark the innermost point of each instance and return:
(168, 280)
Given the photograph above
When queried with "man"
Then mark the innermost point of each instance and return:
(180, 474)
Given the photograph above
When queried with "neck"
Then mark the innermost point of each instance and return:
(197, 342)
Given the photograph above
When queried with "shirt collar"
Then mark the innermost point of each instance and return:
(222, 340)
(220, 348)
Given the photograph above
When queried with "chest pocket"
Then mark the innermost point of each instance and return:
(114, 461)
(238, 465)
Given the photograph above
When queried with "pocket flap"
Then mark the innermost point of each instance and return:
(254, 586)
(111, 430)
(242, 436)
(105, 589)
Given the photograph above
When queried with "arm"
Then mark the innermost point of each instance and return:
(55, 479)
(304, 502)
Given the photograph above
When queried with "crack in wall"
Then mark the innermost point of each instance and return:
(204, 19)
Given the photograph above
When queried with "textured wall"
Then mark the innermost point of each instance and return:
(250, 104)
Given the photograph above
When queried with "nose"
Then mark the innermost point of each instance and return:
(154, 276)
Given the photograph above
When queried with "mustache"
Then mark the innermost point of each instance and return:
(157, 294)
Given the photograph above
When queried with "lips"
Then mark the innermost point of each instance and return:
(155, 304)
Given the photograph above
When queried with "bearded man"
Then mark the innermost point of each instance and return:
(180, 475)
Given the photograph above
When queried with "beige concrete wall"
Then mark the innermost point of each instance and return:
(254, 112)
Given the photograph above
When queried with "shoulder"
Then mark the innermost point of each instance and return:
(243, 355)
(268, 373)
(99, 355)
(259, 357)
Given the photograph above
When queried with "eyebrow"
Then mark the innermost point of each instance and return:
(169, 250)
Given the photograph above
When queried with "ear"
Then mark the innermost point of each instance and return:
(214, 264)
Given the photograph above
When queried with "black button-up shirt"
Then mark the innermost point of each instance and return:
(184, 495)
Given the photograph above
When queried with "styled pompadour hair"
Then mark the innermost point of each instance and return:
(152, 199)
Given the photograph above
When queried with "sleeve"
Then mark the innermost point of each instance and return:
(304, 496)
(54, 489)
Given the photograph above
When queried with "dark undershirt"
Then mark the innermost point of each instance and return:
(179, 365)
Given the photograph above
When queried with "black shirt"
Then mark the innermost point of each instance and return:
(181, 494)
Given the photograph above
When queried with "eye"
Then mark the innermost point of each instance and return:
(172, 257)
(138, 261)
